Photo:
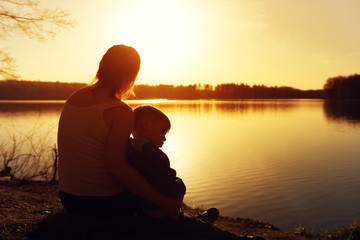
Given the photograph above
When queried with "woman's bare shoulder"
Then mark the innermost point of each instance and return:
(82, 98)
(122, 113)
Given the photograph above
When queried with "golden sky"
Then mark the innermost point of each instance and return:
(297, 43)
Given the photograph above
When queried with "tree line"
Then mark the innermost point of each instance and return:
(343, 87)
(38, 90)
(221, 91)
(340, 87)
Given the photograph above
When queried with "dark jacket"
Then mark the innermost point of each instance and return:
(154, 165)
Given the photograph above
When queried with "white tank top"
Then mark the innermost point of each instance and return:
(82, 137)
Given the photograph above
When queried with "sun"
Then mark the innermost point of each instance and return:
(161, 31)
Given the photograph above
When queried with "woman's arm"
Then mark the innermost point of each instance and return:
(121, 124)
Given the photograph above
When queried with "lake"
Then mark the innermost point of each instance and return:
(290, 162)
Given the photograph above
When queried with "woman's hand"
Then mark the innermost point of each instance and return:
(171, 206)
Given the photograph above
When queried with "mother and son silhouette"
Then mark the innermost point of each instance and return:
(105, 173)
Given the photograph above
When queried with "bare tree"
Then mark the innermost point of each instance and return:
(28, 18)
(7, 66)
(29, 156)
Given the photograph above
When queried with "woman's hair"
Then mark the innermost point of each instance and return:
(118, 70)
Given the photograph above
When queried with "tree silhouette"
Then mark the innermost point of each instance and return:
(343, 87)
(7, 65)
(39, 90)
(28, 18)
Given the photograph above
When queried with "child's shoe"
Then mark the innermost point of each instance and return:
(210, 215)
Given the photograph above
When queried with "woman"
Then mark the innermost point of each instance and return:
(94, 128)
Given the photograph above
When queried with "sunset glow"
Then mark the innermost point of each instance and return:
(283, 43)
(160, 31)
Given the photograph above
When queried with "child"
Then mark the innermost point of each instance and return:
(150, 127)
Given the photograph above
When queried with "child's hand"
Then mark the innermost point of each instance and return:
(154, 213)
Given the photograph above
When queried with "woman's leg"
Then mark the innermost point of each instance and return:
(108, 207)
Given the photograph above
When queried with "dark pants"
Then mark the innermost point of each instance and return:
(185, 226)
(103, 207)
(188, 227)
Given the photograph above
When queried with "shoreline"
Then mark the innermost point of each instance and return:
(26, 206)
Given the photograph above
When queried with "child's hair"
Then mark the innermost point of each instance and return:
(147, 111)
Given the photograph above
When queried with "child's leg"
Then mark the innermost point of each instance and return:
(188, 227)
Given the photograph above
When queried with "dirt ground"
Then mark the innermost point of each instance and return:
(32, 210)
